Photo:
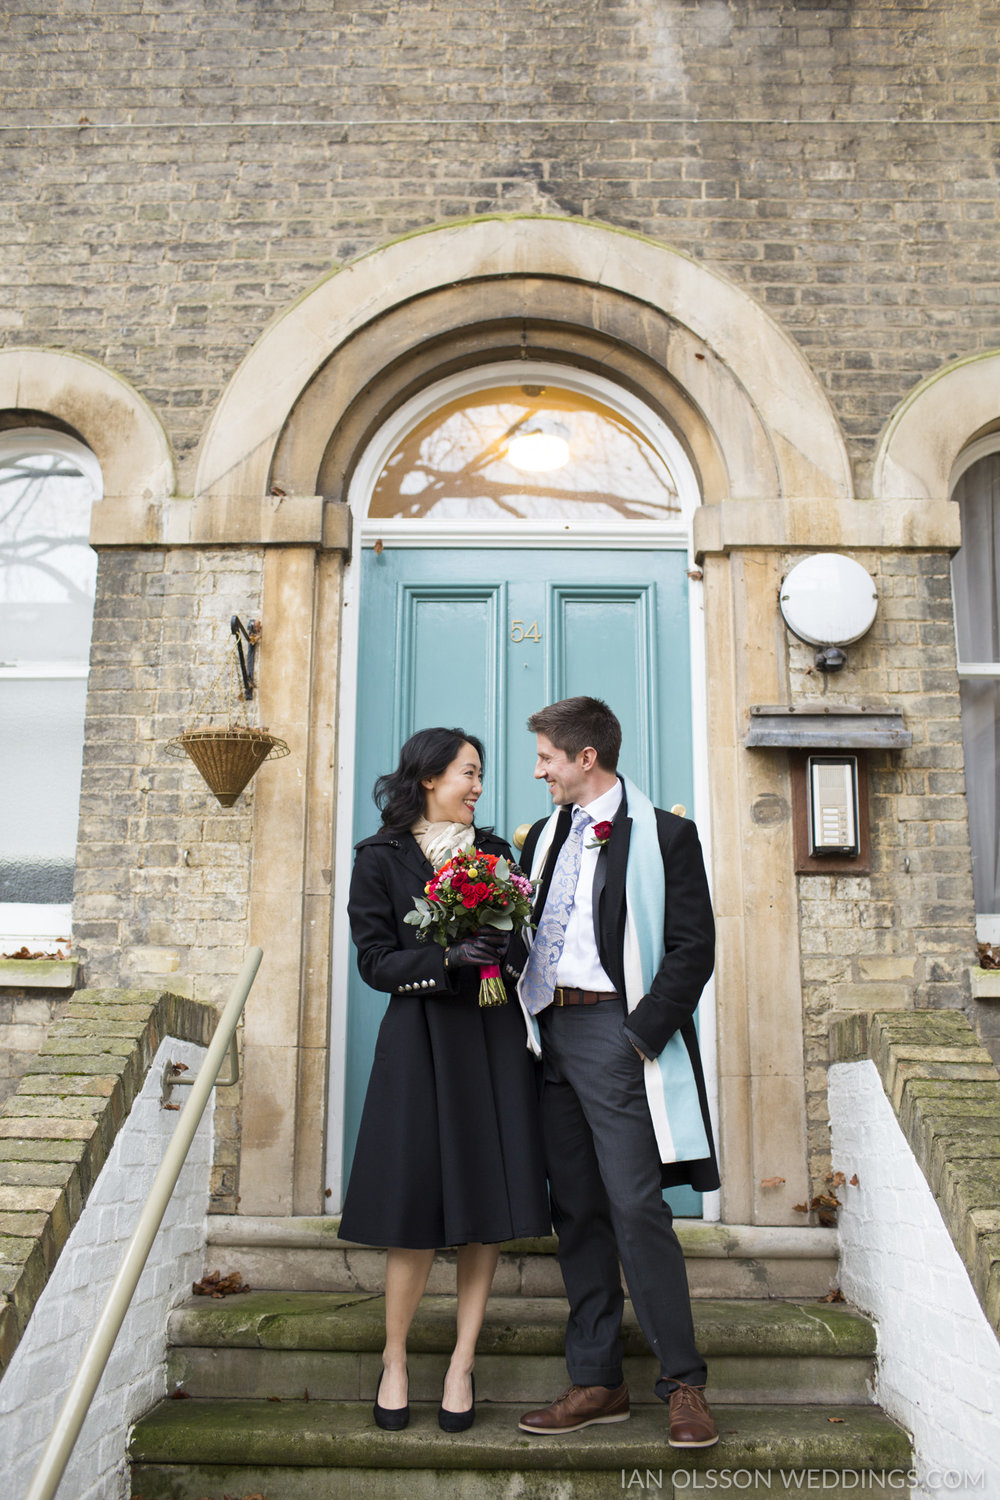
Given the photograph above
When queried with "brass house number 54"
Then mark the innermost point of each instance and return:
(518, 632)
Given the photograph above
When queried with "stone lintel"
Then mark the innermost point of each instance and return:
(237, 521)
(825, 524)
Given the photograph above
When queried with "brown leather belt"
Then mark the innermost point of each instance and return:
(564, 996)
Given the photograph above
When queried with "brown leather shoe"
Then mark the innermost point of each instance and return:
(691, 1422)
(578, 1407)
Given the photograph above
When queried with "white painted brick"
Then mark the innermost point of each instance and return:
(939, 1360)
(33, 1388)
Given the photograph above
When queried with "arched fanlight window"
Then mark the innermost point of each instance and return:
(529, 450)
(48, 483)
(976, 588)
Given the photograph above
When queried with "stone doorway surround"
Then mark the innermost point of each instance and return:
(272, 473)
(757, 427)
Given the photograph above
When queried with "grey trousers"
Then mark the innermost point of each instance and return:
(604, 1178)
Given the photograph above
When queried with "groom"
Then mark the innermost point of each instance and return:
(623, 945)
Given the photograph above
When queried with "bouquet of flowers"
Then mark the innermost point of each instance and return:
(471, 891)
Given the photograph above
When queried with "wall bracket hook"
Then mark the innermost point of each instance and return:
(250, 634)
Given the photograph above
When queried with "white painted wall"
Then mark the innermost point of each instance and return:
(938, 1367)
(35, 1384)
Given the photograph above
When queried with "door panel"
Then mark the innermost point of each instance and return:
(481, 639)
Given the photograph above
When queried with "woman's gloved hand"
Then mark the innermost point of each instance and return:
(484, 947)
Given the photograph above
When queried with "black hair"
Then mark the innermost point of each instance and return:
(399, 795)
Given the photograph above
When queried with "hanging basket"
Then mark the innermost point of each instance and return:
(228, 758)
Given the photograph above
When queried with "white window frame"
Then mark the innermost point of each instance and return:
(987, 923)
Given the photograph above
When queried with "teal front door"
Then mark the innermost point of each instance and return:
(482, 638)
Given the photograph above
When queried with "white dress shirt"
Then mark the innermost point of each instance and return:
(580, 965)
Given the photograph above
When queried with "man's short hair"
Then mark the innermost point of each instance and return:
(575, 723)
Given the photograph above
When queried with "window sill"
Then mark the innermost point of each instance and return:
(985, 984)
(38, 973)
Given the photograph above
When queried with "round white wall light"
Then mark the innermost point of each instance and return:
(829, 600)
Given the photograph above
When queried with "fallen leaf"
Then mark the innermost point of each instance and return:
(179, 1395)
(827, 1219)
(836, 1179)
(379, 547)
(854, 1180)
(305, 1394)
(800, 1208)
(275, 1398)
(834, 1295)
(771, 1181)
(836, 1419)
(217, 1285)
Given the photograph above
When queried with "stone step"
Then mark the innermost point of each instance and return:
(264, 1345)
(723, 1260)
(328, 1450)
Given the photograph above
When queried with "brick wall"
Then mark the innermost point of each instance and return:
(904, 935)
(837, 159)
(35, 1382)
(938, 1359)
(162, 876)
(25, 1018)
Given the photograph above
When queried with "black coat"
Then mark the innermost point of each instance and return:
(449, 1149)
(688, 943)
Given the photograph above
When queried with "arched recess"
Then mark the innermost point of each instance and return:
(745, 384)
(937, 420)
(106, 412)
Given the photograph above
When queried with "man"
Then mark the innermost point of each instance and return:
(623, 946)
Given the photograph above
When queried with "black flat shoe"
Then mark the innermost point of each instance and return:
(390, 1418)
(457, 1421)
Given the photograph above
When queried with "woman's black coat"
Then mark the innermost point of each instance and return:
(449, 1150)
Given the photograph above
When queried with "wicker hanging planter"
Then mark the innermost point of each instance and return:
(229, 755)
(228, 758)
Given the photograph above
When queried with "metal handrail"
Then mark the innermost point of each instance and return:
(54, 1459)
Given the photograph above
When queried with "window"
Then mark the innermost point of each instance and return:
(48, 483)
(529, 450)
(976, 588)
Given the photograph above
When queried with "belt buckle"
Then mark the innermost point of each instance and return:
(557, 996)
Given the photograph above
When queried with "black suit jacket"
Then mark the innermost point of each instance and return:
(688, 945)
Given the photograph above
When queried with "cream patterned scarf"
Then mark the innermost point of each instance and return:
(439, 841)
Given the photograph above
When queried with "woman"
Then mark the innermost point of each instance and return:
(448, 1151)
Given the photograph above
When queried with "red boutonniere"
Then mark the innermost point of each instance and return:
(601, 832)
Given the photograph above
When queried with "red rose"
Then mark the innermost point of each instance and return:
(601, 832)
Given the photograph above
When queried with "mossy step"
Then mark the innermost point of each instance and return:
(513, 1325)
(303, 1449)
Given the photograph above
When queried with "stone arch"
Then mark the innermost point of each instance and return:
(733, 383)
(928, 430)
(111, 417)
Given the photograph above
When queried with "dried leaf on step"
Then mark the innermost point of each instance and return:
(217, 1285)
(771, 1181)
(834, 1295)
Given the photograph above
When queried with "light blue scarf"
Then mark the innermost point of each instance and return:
(671, 1088)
